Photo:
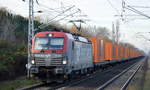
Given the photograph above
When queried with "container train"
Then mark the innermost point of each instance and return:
(59, 55)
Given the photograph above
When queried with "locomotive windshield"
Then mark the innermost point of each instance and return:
(49, 43)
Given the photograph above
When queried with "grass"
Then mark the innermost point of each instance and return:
(141, 81)
(15, 84)
(147, 81)
(135, 84)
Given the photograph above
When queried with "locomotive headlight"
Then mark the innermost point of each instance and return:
(33, 62)
(50, 35)
(64, 62)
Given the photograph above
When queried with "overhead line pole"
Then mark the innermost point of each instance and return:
(117, 31)
(32, 18)
(30, 33)
(113, 32)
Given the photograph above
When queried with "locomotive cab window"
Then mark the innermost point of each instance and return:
(49, 43)
(41, 43)
(56, 43)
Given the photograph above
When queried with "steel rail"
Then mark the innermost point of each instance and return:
(115, 77)
(75, 82)
(31, 87)
(65, 85)
(130, 78)
(78, 81)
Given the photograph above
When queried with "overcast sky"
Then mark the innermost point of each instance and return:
(100, 13)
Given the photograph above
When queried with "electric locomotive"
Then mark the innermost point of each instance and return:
(58, 55)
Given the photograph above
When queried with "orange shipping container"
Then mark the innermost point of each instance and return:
(121, 52)
(126, 53)
(98, 49)
(117, 57)
(109, 51)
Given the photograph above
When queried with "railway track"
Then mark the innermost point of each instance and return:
(96, 81)
(53, 85)
(32, 86)
(121, 81)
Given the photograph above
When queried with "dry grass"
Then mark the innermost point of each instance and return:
(147, 81)
(142, 79)
(18, 83)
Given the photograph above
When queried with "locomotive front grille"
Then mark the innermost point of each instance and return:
(48, 62)
(40, 62)
(56, 61)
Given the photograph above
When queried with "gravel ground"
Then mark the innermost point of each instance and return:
(141, 81)
(97, 79)
(93, 81)
(118, 83)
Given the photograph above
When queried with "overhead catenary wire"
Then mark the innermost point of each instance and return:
(68, 15)
(50, 9)
(123, 10)
(60, 13)
(136, 11)
(47, 8)
(41, 26)
(63, 12)
(133, 9)
(141, 6)
(113, 7)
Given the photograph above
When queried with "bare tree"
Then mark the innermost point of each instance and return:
(102, 32)
(7, 25)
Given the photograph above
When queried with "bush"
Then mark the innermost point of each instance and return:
(13, 59)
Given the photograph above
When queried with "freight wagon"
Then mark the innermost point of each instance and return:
(108, 53)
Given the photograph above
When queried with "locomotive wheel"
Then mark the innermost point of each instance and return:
(44, 81)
